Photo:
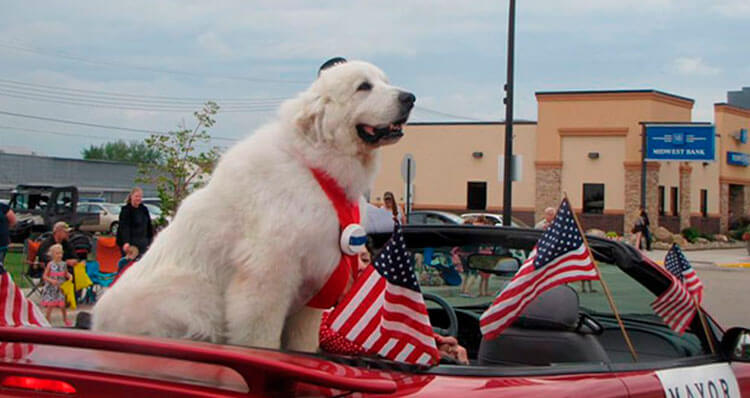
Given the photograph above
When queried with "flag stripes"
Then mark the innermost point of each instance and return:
(530, 283)
(675, 306)
(15, 309)
(384, 312)
(560, 256)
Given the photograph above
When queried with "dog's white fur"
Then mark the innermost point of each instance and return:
(246, 252)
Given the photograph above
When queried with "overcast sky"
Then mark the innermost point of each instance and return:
(145, 65)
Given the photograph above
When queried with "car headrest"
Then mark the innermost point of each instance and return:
(556, 309)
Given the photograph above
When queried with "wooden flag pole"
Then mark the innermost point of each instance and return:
(705, 325)
(605, 287)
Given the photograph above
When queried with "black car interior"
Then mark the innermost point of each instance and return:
(555, 328)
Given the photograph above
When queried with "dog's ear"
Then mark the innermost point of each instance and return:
(309, 118)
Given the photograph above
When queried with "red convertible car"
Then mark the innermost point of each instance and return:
(566, 344)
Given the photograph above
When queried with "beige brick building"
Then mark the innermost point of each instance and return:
(586, 144)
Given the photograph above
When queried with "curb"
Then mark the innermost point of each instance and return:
(710, 264)
(734, 265)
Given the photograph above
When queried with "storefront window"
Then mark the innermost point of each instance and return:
(675, 202)
(662, 200)
(593, 198)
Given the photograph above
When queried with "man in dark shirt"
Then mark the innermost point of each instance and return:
(59, 235)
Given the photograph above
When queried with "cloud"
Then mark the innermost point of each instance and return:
(732, 8)
(211, 42)
(694, 66)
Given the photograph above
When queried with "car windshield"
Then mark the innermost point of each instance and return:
(23, 201)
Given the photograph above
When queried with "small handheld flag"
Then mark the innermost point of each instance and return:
(384, 312)
(677, 305)
(677, 264)
(560, 256)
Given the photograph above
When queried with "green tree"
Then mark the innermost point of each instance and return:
(181, 167)
(121, 151)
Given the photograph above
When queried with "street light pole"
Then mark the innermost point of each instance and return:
(507, 183)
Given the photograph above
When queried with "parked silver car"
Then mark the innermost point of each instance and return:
(99, 217)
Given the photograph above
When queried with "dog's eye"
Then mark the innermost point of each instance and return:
(365, 86)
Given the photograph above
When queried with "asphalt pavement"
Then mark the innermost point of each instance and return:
(724, 258)
(725, 275)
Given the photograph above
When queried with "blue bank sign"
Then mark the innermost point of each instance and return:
(680, 142)
(738, 158)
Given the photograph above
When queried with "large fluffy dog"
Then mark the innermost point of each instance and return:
(246, 252)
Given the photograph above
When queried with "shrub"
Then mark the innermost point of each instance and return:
(735, 234)
(691, 234)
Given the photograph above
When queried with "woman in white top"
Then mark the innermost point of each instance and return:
(389, 203)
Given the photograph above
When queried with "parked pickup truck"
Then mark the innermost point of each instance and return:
(39, 207)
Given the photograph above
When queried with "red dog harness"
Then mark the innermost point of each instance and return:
(348, 214)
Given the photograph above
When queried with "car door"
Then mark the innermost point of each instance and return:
(669, 364)
(88, 216)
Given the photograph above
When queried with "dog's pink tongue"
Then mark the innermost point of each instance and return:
(369, 129)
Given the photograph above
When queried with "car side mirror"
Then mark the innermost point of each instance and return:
(494, 264)
(735, 345)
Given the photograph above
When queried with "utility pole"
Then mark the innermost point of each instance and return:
(507, 183)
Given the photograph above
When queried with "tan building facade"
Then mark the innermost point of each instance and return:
(587, 145)
(734, 179)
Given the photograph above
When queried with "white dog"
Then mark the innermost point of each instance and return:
(245, 253)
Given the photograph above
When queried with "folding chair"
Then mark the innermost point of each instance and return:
(104, 270)
(34, 268)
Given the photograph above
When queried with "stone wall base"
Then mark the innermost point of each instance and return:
(707, 225)
(672, 223)
(605, 222)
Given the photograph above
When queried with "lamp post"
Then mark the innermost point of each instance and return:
(507, 183)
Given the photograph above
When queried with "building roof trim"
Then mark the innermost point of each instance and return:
(617, 94)
(477, 123)
(733, 109)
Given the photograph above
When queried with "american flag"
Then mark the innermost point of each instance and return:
(15, 309)
(676, 306)
(384, 312)
(560, 256)
(676, 263)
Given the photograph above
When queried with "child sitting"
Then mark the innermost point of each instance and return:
(54, 275)
(130, 256)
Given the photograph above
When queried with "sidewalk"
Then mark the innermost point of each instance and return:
(724, 258)
(56, 317)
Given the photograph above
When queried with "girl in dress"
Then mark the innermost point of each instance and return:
(54, 275)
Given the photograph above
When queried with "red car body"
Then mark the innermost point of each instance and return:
(57, 362)
(67, 362)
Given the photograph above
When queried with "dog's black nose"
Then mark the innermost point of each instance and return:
(407, 98)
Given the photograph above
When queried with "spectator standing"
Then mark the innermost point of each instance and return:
(646, 230)
(389, 203)
(135, 226)
(637, 230)
(549, 215)
(7, 220)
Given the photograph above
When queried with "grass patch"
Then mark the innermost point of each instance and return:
(14, 264)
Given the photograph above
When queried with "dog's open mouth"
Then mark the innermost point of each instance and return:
(387, 132)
